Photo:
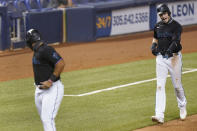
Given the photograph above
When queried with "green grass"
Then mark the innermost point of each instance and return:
(123, 109)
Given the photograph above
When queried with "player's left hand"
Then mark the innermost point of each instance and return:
(154, 49)
(168, 54)
(45, 85)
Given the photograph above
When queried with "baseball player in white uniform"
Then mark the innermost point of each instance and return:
(47, 67)
(166, 47)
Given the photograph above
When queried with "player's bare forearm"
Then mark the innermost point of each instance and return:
(57, 71)
(59, 67)
(155, 40)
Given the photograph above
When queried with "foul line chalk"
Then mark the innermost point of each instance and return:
(126, 85)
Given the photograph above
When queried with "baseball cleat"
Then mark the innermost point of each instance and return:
(183, 114)
(157, 119)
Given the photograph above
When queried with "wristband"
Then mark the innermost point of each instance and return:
(53, 78)
(49, 80)
(154, 45)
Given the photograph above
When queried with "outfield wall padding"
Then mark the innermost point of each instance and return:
(4, 29)
(80, 24)
(49, 23)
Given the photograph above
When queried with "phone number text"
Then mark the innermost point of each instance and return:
(130, 19)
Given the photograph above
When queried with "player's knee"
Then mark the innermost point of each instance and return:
(158, 87)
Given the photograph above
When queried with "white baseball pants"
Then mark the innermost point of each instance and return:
(174, 66)
(48, 102)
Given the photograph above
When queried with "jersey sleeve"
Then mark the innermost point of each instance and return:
(51, 55)
(176, 38)
(155, 32)
(177, 33)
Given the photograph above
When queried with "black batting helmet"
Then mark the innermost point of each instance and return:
(32, 36)
(162, 8)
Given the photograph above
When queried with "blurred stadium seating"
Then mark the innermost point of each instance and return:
(44, 3)
(33, 4)
(76, 2)
(20, 5)
(29, 5)
(3, 2)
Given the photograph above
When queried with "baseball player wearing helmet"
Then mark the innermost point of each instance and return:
(166, 47)
(47, 67)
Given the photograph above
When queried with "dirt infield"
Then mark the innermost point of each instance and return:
(115, 50)
(190, 124)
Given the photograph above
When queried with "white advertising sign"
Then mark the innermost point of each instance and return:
(133, 19)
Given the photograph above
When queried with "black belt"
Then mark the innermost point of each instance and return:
(164, 52)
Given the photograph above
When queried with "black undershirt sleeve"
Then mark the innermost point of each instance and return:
(176, 38)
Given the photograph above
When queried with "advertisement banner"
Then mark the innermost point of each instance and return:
(103, 24)
(184, 12)
(133, 19)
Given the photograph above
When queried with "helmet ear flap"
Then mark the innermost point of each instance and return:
(36, 36)
(169, 13)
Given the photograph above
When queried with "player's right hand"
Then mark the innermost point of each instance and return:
(154, 49)
(45, 85)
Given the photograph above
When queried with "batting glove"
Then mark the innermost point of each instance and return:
(154, 49)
